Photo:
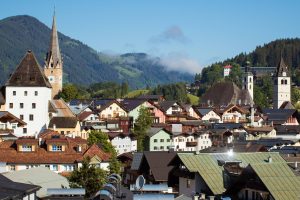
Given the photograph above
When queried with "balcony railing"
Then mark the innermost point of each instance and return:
(191, 144)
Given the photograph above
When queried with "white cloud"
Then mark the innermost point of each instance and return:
(180, 62)
(171, 34)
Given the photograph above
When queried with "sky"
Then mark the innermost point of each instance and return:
(186, 35)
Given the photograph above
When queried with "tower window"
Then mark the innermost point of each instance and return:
(31, 117)
(282, 82)
(51, 65)
(285, 82)
(250, 79)
(25, 93)
(24, 130)
(33, 105)
(11, 105)
(21, 105)
(22, 117)
(35, 93)
(14, 93)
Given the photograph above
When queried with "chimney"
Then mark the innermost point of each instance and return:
(54, 127)
(269, 159)
(252, 115)
(196, 197)
(40, 141)
(202, 196)
(211, 197)
(79, 148)
(296, 165)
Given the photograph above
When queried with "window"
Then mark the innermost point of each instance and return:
(155, 147)
(161, 140)
(12, 168)
(30, 117)
(155, 140)
(168, 140)
(33, 105)
(161, 147)
(53, 167)
(285, 82)
(35, 93)
(25, 93)
(56, 147)
(24, 130)
(188, 183)
(26, 147)
(48, 166)
(21, 105)
(21, 117)
(14, 93)
(11, 105)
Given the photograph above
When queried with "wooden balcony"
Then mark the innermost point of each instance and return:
(191, 144)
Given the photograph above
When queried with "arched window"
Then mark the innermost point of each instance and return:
(250, 79)
(285, 81)
(282, 82)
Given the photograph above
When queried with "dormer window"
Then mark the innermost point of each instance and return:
(26, 148)
(32, 78)
(56, 147)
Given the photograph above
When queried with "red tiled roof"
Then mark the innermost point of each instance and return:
(82, 116)
(95, 150)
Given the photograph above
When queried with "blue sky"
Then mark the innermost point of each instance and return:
(192, 34)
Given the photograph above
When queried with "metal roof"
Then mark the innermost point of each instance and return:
(41, 176)
(136, 161)
(153, 197)
(206, 164)
(279, 179)
(66, 191)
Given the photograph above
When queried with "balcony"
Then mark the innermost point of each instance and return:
(191, 144)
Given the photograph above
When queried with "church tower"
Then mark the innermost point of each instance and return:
(282, 85)
(53, 67)
(248, 81)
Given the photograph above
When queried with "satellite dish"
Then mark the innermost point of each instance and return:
(140, 182)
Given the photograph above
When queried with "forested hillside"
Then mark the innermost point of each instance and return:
(82, 64)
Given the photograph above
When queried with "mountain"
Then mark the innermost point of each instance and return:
(268, 55)
(82, 64)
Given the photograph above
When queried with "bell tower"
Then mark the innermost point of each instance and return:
(248, 81)
(53, 67)
(282, 85)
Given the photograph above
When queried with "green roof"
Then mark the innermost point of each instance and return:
(206, 164)
(279, 179)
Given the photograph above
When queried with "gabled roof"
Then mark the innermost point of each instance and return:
(160, 170)
(279, 179)
(60, 107)
(225, 93)
(82, 116)
(287, 105)
(153, 130)
(6, 116)
(63, 122)
(282, 67)
(165, 105)
(279, 116)
(28, 74)
(94, 150)
(206, 165)
(130, 104)
(41, 176)
(14, 190)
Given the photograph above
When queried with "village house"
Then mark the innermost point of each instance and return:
(158, 139)
(233, 114)
(216, 175)
(57, 152)
(281, 116)
(255, 133)
(110, 110)
(8, 123)
(207, 114)
(123, 142)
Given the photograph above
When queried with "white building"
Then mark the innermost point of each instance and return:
(28, 93)
(123, 143)
(248, 81)
(282, 85)
(227, 70)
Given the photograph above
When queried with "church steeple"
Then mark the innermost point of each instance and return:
(282, 68)
(53, 63)
(54, 52)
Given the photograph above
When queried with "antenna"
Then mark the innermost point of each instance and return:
(140, 182)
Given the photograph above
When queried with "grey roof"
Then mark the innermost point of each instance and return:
(204, 111)
(279, 116)
(14, 190)
(40, 176)
(165, 105)
(136, 162)
(226, 93)
(63, 122)
(153, 130)
(54, 47)
(130, 104)
(282, 67)
(28, 73)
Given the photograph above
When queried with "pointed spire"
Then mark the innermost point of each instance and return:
(282, 68)
(54, 51)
